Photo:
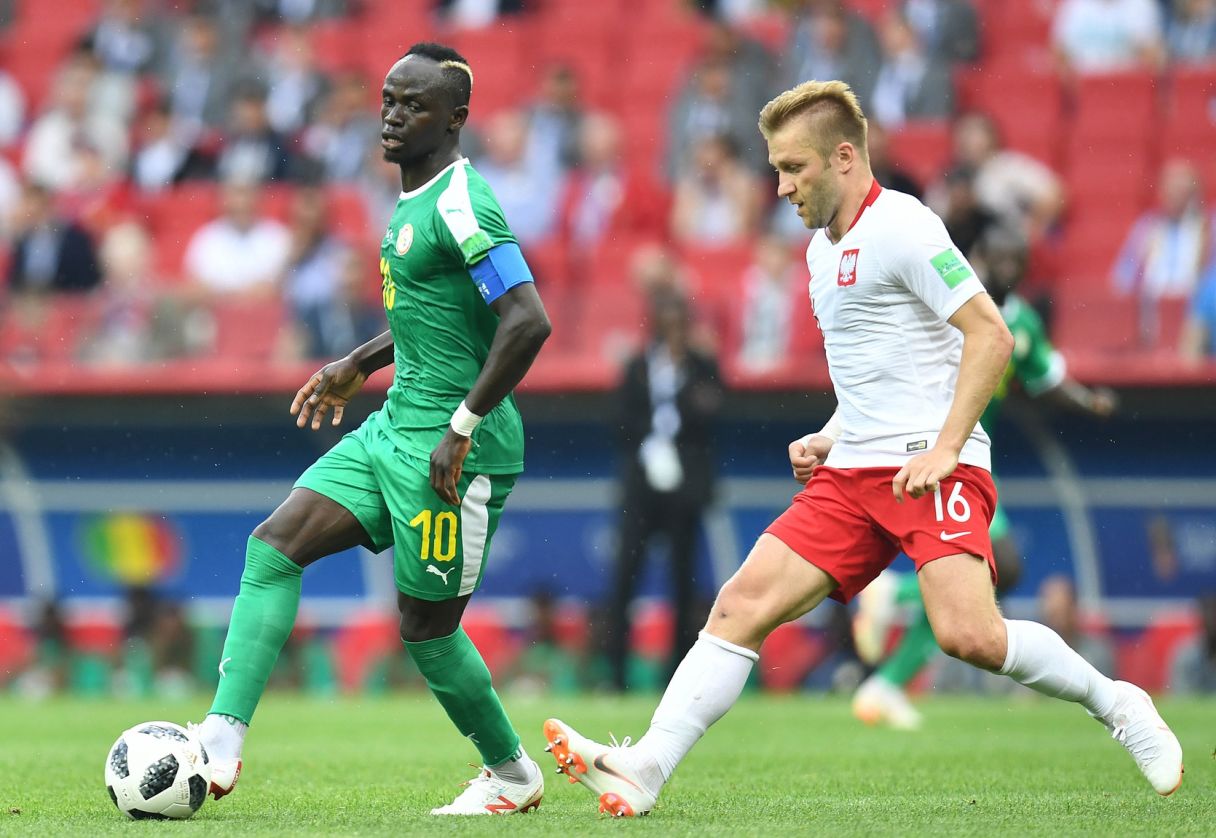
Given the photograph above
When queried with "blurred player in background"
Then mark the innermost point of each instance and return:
(430, 471)
(1040, 369)
(916, 350)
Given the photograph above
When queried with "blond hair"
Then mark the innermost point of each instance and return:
(834, 106)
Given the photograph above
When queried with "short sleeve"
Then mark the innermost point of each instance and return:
(931, 267)
(1036, 362)
(471, 213)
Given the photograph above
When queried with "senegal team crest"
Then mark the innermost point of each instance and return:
(404, 239)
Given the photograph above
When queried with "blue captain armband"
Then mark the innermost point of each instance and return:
(501, 269)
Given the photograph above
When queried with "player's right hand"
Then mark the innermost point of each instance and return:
(331, 386)
(806, 453)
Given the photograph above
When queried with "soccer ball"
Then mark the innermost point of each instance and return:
(158, 770)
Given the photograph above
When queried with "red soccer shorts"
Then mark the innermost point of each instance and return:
(847, 523)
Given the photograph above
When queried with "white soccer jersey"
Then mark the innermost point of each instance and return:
(882, 296)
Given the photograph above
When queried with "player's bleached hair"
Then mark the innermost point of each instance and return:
(834, 107)
(457, 74)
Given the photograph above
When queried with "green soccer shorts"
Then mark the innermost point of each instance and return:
(440, 550)
(999, 528)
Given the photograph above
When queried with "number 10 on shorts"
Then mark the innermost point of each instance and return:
(956, 505)
(443, 525)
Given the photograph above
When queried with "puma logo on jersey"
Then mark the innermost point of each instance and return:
(224, 674)
(440, 573)
(847, 275)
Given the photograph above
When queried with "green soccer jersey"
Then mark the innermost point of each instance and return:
(1035, 362)
(442, 326)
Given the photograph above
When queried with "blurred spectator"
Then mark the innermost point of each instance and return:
(171, 644)
(554, 121)
(965, 218)
(252, 150)
(162, 157)
(1167, 247)
(135, 323)
(886, 172)
(911, 83)
(1104, 36)
(474, 14)
(603, 195)
(12, 109)
(50, 670)
(712, 103)
(294, 82)
(717, 199)
(10, 197)
(831, 42)
(948, 29)
(752, 67)
(544, 667)
(240, 252)
(668, 400)
(300, 11)
(1058, 610)
(1193, 670)
(1199, 333)
(528, 192)
(136, 674)
(1190, 35)
(339, 139)
(731, 11)
(771, 288)
(73, 118)
(122, 39)
(99, 195)
(51, 253)
(197, 78)
(1019, 189)
(323, 283)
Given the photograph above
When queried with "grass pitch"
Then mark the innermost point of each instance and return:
(774, 766)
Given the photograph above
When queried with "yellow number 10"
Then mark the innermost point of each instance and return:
(445, 535)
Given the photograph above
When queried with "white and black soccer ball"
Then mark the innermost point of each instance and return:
(158, 770)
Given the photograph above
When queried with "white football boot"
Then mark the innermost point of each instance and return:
(224, 772)
(610, 772)
(489, 794)
(1136, 725)
(878, 701)
(876, 613)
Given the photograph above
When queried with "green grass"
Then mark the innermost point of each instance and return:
(773, 767)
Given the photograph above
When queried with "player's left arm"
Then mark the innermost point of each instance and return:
(987, 345)
(507, 286)
(921, 257)
(1044, 372)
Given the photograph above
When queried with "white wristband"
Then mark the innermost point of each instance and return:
(833, 428)
(465, 421)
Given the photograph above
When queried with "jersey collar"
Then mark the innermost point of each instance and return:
(413, 193)
(871, 197)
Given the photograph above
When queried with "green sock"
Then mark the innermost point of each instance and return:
(458, 677)
(915, 649)
(262, 618)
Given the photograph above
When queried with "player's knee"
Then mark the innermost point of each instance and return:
(743, 612)
(273, 533)
(980, 645)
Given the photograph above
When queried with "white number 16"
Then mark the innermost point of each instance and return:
(957, 505)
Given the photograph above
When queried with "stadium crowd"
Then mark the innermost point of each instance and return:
(179, 178)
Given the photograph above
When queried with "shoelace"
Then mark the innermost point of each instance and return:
(624, 743)
(1136, 737)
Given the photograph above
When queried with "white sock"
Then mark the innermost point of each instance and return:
(706, 684)
(223, 736)
(1040, 659)
(518, 769)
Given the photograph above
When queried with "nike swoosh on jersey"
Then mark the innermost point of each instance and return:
(951, 536)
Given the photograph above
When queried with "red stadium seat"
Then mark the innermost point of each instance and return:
(1025, 106)
(1146, 660)
(491, 637)
(95, 634)
(922, 148)
(247, 329)
(359, 644)
(1114, 111)
(1096, 322)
